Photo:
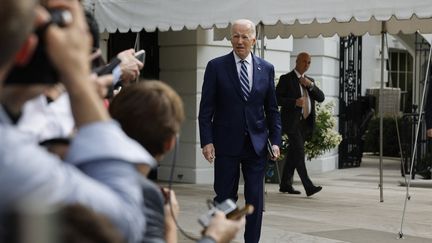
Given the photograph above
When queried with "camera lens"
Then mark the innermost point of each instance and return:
(60, 17)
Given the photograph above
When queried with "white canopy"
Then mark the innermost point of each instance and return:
(281, 17)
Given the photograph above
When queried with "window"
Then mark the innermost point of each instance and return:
(401, 75)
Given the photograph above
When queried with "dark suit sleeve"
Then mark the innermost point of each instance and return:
(315, 93)
(428, 108)
(154, 212)
(282, 91)
(207, 105)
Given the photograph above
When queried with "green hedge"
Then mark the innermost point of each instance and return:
(390, 140)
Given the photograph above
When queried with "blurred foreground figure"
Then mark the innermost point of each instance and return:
(99, 168)
(65, 224)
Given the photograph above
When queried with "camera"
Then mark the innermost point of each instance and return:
(39, 69)
(226, 207)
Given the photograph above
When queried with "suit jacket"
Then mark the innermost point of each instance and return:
(224, 115)
(287, 91)
(428, 107)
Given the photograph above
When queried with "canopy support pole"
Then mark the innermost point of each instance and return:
(383, 32)
(407, 195)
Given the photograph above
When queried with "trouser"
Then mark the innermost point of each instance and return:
(295, 159)
(226, 180)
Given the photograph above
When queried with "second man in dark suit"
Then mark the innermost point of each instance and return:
(297, 93)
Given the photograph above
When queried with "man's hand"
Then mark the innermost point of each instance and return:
(300, 101)
(429, 133)
(130, 66)
(276, 152)
(223, 230)
(209, 152)
(305, 82)
(69, 47)
(102, 84)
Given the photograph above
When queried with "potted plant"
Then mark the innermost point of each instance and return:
(324, 137)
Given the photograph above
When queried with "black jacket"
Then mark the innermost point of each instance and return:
(287, 91)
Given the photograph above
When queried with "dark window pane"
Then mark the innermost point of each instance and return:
(393, 81)
(402, 81)
(394, 60)
(402, 59)
(410, 63)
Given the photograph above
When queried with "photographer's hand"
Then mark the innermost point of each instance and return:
(129, 65)
(223, 230)
(170, 225)
(102, 83)
(69, 49)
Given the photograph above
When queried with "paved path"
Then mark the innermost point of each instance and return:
(348, 209)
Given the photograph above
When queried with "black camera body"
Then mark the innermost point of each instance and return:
(39, 69)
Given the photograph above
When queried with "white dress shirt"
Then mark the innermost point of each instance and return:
(301, 90)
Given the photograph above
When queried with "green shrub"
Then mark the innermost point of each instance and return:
(390, 139)
(324, 137)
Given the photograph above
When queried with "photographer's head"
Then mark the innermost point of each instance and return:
(150, 112)
(16, 24)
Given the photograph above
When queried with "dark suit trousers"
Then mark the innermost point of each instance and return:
(295, 159)
(226, 181)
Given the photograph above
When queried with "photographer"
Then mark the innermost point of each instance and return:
(106, 180)
(49, 115)
(151, 112)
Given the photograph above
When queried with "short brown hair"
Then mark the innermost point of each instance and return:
(16, 23)
(150, 112)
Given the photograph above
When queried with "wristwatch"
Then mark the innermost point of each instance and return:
(311, 86)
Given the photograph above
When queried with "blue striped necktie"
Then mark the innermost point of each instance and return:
(244, 80)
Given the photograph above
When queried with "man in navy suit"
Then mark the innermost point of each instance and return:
(297, 93)
(238, 114)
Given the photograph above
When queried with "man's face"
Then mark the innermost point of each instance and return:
(302, 63)
(241, 40)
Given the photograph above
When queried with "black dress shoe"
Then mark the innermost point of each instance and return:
(313, 190)
(289, 190)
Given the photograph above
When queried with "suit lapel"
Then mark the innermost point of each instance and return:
(296, 85)
(257, 70)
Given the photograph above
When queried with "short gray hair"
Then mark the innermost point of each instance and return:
(250, 24)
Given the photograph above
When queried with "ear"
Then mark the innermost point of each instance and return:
(254, 41)
(169, 144)
(26, 52)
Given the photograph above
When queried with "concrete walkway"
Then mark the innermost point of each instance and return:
(348, 209)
